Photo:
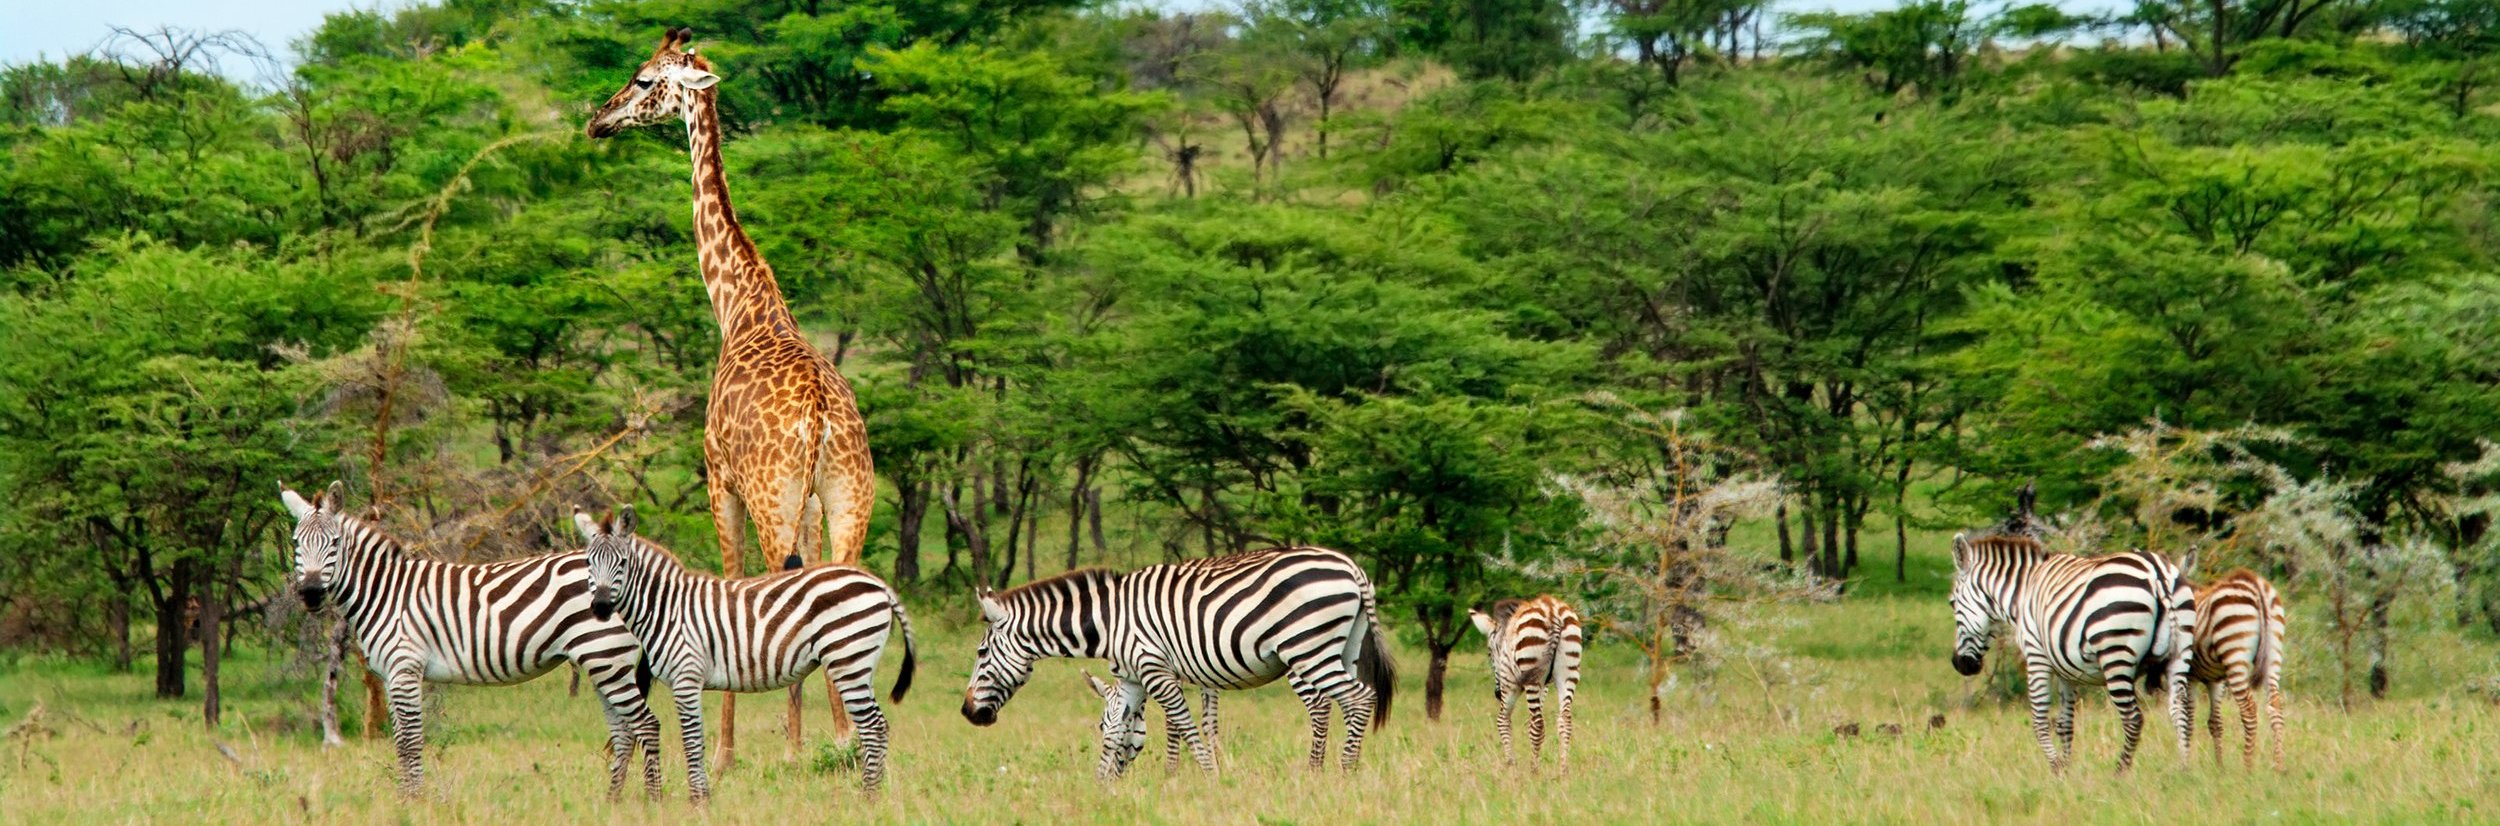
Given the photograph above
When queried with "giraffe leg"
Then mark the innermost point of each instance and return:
(407, 692)
(729, 523)
(845, 493)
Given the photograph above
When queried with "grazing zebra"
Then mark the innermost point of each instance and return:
(700, 631)
(1535, 643)
(2239, 646)
(1127, 725)
(1227, 622)
(418, 621)
(2115, 620)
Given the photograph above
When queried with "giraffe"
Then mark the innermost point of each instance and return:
(783, 441)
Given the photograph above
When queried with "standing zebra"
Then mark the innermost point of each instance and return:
(418, 621)
(2239, 645)
(2117, 620)
(1535, 643)
(700, 631)
(1227, 622)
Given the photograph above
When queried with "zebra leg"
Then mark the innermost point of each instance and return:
(2121, 686)
(1207, 726)
(1356, 698)
(687, 690)
(859, 699)
(407, 695)
(631, 725)
(1171, 740)
(1166, 691)
(1570, 685)
(2175, 681)
(2066, 696)
(1536, 720)
(2213, 716)
(2245, 696)
(2274, 714)
(1316, 705)
(2042, 693)
(1504, 699)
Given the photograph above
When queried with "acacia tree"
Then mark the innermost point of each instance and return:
(1659, 570)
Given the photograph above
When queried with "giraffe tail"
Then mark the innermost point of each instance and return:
(902, 681)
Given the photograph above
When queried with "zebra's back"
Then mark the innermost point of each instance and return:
(2080, 610)
(2239, 621)
(1234, 621)
(500, 622)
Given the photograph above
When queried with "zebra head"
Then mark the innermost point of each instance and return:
(1974, 609)
(319, 534)
(1123, 724)
(1001, 665)
(610, 546)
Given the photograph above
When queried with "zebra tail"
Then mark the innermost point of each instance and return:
(1373, 665)
(902, 681)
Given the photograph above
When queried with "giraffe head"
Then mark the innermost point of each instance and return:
(665, 88)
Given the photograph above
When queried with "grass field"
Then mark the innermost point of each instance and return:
(1755, 743)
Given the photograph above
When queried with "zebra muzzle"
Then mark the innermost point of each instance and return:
(980, 715)
(602, 604)
(312, 591)
(1966, 664)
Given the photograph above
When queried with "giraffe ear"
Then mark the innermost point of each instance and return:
(693, 78)
(1483, 623)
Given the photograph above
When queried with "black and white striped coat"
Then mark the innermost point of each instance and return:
(2115, 621)
(2239, 649)
(700, 631)
(419, 621)
(1536, 646)
(1307, 615)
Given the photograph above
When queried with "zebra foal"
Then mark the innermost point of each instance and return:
(1228, 622)
(419, 621)
(2115, 620)
(2239, 648)
(1535, 645)
(700, 631)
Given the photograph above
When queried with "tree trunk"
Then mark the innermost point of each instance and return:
(333, 657)
(117, 613)
(1435, 678)
(1093, 519)
(969, 527)
(1787, 548)
(1831, 539)
(2379, 679)
(212, 616)
(172, 640)
(915, 510)
(1857, 520)
(1076, 509)
(1806, 546)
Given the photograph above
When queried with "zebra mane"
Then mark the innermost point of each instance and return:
(382, 540)
(1501, 609)
(2004, 543)
(1048, 583)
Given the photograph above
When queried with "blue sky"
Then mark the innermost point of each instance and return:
(55, 28)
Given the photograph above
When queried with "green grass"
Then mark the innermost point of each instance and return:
(1755, 742)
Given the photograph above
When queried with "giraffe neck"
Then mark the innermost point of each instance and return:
(744, 294)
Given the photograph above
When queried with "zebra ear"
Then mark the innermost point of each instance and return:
(1483, 623)
(373, 514)
(991, 610)
(295, 503)
(582, 522)
(1101, 689)
(623, 523)
(2187, 566)
(334, 496)
(1961, 549)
